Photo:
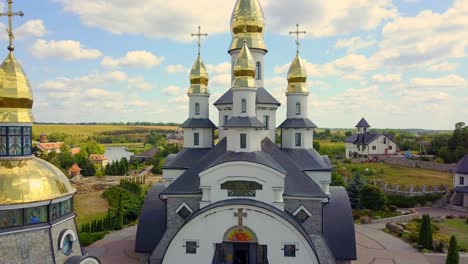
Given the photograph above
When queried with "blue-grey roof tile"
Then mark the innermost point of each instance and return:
(298, 123)
(263, 97)
(237, 121)
(198, 123)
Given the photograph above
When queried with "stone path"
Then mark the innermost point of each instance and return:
(117, 247)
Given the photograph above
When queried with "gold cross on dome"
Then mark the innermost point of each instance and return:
(199, 35)
(297, 33)
(240, 216)
(10, 15)
(246, 18)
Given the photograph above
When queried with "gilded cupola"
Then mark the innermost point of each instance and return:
(248, 24)
(16, 99)
(198, 78)
(297, 77)
(244, 69)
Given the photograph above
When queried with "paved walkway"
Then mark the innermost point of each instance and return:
(439, 212)
(117, 247)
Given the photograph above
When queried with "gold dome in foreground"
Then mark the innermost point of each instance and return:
(247, 16)
(16, 99)
(297, 77)
(198, 78)
(31, 180)
(244, 69)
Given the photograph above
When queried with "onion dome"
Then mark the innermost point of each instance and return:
(297, 77)
(247, 24)
(244, 69)
(198, 78)
(31, 180)
(16, 99)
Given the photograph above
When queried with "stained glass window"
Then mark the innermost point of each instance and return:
(289, 250)
(11, 218)
(3, 140)
(241, 188)
(58, 210)
(302, 216)
(67, 245)
(35, 215)
(14, 141)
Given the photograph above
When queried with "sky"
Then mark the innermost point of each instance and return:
(398, 63)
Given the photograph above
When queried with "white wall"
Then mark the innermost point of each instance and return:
(270, 111)
(203, 100)
(292, 100)
(258, 55)
(289, 138)
(456, 179)
(250, 94)
(378, 144)
(206, 137)
(254, 138)
(350, 147)
(224, 110)
(208, 229)
(272, 182)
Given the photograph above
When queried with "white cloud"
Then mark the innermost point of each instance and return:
(172, 90)
(386, 78)
(353, 44)
(177, 68)
(139, 83)
(220, 75)
(137, 58)
(31, 28)
(69, 50)
(449, 81)
(443, 67)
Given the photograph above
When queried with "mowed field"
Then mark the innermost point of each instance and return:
(89, 130)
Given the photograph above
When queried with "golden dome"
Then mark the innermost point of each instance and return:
(247, 16)
(198, 78)
(297, 77)
(16, 99)
(244, 69)
(31, 180)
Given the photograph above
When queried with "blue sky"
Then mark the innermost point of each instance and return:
(400, 63)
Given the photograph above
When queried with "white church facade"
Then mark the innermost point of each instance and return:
(246, 199)
(366, 144)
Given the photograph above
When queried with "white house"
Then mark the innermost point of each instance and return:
(365, 144)
(460, 183)
(246, 199)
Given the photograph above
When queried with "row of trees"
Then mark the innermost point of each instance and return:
(451, 147)
(118, 168)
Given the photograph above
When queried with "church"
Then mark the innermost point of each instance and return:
(247, 199)
(37, 220)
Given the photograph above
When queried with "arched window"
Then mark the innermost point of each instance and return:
(258, 72)
(298, 108)
(197, 109)
(244, 106)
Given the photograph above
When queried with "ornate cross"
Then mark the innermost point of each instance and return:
(246, 18)
(199, 35)
(240, 216)
(10, 15)
(298, 33)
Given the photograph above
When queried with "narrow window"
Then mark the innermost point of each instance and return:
(462, 180)
(197, 109)
(385, 140)
(298, 108)
(225, 119)
(244, 106)
(196, 139)
(243, 141)
(298, 139)
(258, 73)
(266, 121)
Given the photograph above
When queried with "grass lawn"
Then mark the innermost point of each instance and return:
(332, 148)
(90, 206)
(456, 227)
(403, 176)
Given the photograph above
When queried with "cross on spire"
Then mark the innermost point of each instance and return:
(10, 15)
(246, 18)
(199, 35)
(297, 33)
(240, 216)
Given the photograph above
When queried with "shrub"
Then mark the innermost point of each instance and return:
(408, 202)
(452, 256)
(372, 197)
(354, 189)
(87, 239)
(425, 232)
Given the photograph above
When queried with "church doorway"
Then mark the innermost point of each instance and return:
(241, 253)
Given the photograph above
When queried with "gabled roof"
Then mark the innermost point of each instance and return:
(462, 166)
(298, 123)
(74, 169)
(198, 123)
(245, 121)
(308, 159)
(297, 183)
(50, 145)
(263, 97)
(363, 139)
(363, 123)
(338, 228)
(186, 158)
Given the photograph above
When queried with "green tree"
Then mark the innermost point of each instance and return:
(372, 197)
(452, 256)
(92, 147)
(354, 189)
(316, 145)
(337, 179)
(119, 214)
(425, 232)
(65, 158)
(87, 167)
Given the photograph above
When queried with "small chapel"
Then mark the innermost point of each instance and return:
(244, 199)
(37, 220)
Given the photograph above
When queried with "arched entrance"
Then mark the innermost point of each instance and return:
(240, 245)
